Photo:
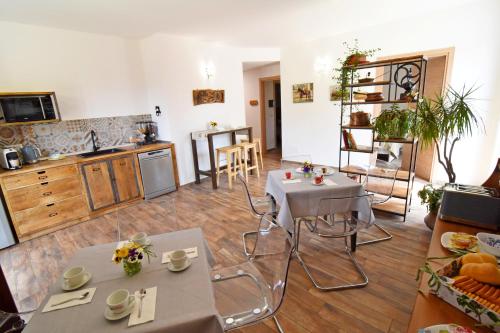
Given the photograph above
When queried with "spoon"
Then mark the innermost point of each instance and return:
(81, 297)
(142, 294)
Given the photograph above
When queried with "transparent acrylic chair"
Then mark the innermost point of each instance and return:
(338, 218)
(382, 188)
(261, 208)
(294, 161)
(251, 292)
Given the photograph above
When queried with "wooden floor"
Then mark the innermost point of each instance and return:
(385, 305)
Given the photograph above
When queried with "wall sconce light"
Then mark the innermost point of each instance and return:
(209, 70)
(322, 65)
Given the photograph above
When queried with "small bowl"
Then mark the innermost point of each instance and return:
(489, 243)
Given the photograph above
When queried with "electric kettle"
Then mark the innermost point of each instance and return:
(31, 154)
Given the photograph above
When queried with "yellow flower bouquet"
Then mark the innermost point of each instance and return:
(131, 255)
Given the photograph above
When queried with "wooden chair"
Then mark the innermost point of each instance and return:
(247, 149)
(259, 149)
(233, 160)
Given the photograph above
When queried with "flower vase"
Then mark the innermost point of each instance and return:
(307, 172)
(132, 268)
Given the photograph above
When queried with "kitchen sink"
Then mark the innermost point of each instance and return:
(101, 152)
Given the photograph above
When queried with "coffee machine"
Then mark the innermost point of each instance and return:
(149, 129)
(10, 159)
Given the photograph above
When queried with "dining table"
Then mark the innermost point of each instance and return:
(184, 300)
(300, 198)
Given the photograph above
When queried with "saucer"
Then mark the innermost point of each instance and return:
(148, 242)
(284, 178)
(86, 279)
(117, 316)
(322, 183)
(180, 269)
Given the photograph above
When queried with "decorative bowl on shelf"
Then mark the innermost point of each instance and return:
(366, 80)
(359, 118)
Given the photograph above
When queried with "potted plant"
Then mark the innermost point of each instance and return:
(353, 56)
(394, 123)
(431, 196)
(443, 121)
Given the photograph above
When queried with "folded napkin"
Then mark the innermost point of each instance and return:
(55, 299)
(191, 252)
(329, 182)
(291, 181)
(148, 308)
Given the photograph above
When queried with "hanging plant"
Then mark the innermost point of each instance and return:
(353, 56)
(394, 123)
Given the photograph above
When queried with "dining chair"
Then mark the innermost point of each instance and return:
(382, 188)
(251, 292)
(261, 208)
(339, 217)
(294, 161)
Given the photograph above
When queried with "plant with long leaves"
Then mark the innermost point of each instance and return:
(445, 120)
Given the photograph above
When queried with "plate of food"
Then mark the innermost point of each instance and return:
(459, 241)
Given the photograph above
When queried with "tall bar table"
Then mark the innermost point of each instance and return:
(209, 135)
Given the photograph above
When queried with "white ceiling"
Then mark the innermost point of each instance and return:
(256, 23)
(248, 65)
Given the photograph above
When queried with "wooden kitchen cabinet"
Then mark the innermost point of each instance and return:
(125, 178)
(99, 185)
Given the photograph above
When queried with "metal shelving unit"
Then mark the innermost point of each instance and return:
(392, 86)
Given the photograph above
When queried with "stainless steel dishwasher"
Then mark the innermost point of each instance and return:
(157, 172)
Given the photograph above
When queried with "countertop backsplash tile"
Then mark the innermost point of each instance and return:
(72, 136)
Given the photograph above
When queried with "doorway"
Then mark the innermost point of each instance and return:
(270, 113)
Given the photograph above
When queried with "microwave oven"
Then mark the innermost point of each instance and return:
(28, 107)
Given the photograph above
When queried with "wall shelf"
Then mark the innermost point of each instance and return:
(391, 86)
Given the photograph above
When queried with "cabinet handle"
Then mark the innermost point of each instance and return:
(44, 183)
(46, 194)
(42, 177)
(41, 172)
(50, 205)
(96, 169)
(123, 163)
(52, 214)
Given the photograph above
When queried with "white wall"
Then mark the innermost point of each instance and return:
(173, 68)
(92, 75)
(251, 85)
(473, 30)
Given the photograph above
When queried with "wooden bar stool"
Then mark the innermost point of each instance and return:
(259, 149)
(233, 160)
(249, 148)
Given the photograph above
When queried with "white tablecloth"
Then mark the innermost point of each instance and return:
(302, 199)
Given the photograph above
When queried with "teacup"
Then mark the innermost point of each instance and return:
(288, 175)
(140, 238)
(318, 179)
(178, 258)
(324, 170)
(74, 275)
(119, 300)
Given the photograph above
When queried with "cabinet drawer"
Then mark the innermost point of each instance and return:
(44, 193)
(35, 219)
(41, 176)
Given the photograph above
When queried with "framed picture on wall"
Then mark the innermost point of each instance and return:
(303, 92)
(208, 96)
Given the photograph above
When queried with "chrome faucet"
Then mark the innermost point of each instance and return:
(93, 135)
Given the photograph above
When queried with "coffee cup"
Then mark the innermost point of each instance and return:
(140, 238)
(318, 179)
(178, 258)
(119, 300)
(74, 275)
(324, 170)
(288, 175)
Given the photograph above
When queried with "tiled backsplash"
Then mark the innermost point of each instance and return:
(71, 136)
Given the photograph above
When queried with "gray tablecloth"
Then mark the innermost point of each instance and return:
(302, 199)
(184, 303)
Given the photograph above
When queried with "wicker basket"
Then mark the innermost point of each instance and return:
(360, 119)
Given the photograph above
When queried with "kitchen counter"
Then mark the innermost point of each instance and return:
(430, 310)
(74, 159)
